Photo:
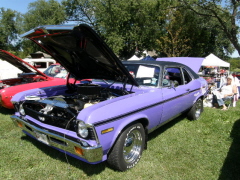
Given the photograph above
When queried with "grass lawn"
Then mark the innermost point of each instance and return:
(206, 149)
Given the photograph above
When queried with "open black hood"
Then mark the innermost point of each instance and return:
(19, 63)
(81, 51)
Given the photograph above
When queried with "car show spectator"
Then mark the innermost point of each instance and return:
(226, 92)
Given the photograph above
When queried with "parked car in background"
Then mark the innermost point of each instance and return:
(108, 119)
(56, 70)
(29, 78)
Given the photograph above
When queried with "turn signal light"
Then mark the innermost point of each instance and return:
(19, 124)
(107, 130)
(78, 150)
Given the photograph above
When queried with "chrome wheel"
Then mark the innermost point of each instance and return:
(128, 148)
(132, 146)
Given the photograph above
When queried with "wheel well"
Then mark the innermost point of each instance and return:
(143, 121)
(201, 97)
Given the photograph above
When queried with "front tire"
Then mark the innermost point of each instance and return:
(196, 110)
(128, 148)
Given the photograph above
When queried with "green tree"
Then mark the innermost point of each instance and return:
(225, 13)
(9, 30)
(126, 25)
(235, 64)
(132, 26)
(80, 11)
(173, 42)
(41, 12)
(188, 34)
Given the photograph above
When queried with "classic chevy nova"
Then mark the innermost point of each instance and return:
(110, 117)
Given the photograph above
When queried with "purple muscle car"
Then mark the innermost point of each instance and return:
(109, 117)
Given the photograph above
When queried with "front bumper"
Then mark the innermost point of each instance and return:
(88, 154)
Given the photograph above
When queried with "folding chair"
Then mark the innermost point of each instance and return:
(231, 102)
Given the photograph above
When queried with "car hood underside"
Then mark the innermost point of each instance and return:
(81, 51)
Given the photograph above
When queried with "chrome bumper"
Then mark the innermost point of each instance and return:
(89, 154)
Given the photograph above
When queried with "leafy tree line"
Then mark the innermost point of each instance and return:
(9, 30)
(13, 24)
(193, 28)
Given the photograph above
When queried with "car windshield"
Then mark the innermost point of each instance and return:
(146, 75)
(56, 70)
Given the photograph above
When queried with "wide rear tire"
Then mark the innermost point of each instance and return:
(128, 148)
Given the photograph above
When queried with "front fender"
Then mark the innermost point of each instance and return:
(108, 139)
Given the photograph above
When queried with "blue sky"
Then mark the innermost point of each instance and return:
(235, 54)
(22, 6)
(18, 5)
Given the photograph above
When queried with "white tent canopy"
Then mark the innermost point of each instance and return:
(212, 60)
(134, 58)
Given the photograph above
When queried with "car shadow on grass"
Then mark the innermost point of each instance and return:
(231, 166)
(165, 127)
(6, 111)
(89, 169)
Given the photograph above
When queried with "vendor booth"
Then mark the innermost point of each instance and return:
(214, 61)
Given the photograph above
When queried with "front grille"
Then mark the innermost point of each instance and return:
(59, 117)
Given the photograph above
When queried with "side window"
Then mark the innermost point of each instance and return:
(40, 64)
(172, 75)
(187, 77)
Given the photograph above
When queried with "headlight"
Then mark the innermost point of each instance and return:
(21, 110)
(82, 129)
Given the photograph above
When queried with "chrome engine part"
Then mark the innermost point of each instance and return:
(61, 110)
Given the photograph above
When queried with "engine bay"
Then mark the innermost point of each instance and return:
(85, 96)
(59, 110)
(21, 79)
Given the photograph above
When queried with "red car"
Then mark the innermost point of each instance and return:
(29, 78)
